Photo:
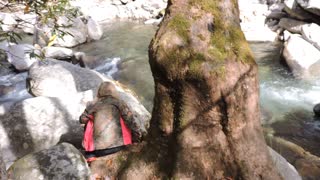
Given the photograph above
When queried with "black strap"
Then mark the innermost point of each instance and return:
(103, 152)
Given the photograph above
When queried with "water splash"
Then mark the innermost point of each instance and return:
(110, 67)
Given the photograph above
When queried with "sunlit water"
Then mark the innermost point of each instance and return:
(124, 49)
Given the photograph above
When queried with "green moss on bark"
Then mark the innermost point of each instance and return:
(227, 39)
(181, 25)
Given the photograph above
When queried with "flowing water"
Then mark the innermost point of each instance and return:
(286, 103)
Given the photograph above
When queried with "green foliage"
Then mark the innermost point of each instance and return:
(47, 12)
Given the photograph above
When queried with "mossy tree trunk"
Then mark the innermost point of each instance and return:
(205, 122)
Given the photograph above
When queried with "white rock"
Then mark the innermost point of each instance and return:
(153, 21)
(57, 52)
(40, 122)
(311, 33)
(8, 21)
(19, 56)
(94, 30)
(286, 35)
(312, 6)
(301, 57)
(78, 31)
(27, 22)
(291, 25)
(294, 10)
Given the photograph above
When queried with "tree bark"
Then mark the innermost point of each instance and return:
(206, 119)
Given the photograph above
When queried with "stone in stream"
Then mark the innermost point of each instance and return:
(41, 122)
(302, 57)
(8, 21)
(94, 30)
(19, 56)
(64, 79)
(312, 6)
(316, 110)
(297, 12)
(57, 52)
(310, 32)
(62, 161)
(291, 25)
(86, 61)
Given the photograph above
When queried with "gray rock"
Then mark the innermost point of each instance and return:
(312, 6)
(8, 21)
(302, 57)
(26, 21)
(41, 122)
(57, 52)
(19, 56)
(295, 11)
(64, 79)
(76, 34)
(62, 161)
(310, 32)
(153, 21)
(85, 61)
(286, 170)
(94, 30)
(316, 110)
(291, 25)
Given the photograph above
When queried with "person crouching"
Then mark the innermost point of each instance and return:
(109, 124)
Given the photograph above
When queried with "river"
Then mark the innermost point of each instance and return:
(286, 102)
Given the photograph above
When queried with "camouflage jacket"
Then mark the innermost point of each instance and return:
(107, 128)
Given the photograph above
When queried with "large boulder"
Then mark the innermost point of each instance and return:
(62, 161)
(86, 61)
(94, 30)
(310, 32)
(312, 6)
(295, 11)
(287, 171)
(75, 35)
(57, 52)
(291, 25)
(8, 21)
(316, 110)
(64, 79)
(26, 21)
(39, 123)
(302, 57)
(19, 56)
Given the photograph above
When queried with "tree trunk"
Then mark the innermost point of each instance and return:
(206, 119)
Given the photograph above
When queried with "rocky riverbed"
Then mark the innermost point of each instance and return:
(120, 52)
